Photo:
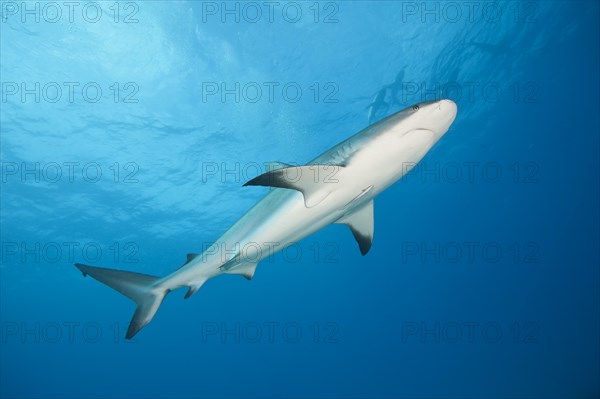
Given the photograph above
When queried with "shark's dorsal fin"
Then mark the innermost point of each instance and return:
(315, 182)
(269, 166)
(362, 224)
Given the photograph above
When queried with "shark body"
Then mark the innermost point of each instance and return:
(336, 187)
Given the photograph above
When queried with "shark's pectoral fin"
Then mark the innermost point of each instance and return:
(361, 223)
(237, 265)
(315, 182)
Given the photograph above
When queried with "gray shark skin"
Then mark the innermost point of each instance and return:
(338, 186)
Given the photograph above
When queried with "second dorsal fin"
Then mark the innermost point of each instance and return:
(189, 258)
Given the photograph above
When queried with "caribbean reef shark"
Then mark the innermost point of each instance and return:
(338, 186)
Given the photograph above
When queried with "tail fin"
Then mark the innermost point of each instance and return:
(138, 287)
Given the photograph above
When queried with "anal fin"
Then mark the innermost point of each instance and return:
(193, 288)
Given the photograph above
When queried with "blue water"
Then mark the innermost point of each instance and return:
(132, 149)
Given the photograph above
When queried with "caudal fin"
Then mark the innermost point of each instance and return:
(140, 288)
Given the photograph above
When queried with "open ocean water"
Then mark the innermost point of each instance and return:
(128, 129)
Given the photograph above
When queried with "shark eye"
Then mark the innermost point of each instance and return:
(415, 107)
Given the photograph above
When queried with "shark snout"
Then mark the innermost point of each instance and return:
(445, 113)
(441, 109)
(448, 106)
(451, 108)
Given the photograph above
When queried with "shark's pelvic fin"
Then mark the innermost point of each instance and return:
(315, 182)
(247, 270)
(362, 224)
(237, 265)
(138, 287)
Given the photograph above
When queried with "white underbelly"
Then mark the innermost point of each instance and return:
(279, 228)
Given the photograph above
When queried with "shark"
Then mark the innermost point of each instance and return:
(336, 187)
